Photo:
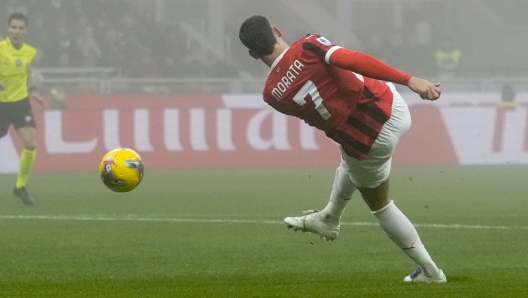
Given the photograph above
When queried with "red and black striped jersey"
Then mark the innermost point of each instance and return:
(313, 80)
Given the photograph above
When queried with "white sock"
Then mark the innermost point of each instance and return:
(402, 232)
(341, 194)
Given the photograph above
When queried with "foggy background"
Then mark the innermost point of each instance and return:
(183, 46)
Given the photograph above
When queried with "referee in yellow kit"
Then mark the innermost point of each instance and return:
(16, 89)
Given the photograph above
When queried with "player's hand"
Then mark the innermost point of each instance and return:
(2, 86)
(426, 89)
(36, 96)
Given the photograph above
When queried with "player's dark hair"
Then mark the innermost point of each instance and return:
(18, 16)
(256, 34)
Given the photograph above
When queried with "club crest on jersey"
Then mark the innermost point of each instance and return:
(18, 63)
(324, 41)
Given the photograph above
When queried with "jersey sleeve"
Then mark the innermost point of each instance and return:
(366, 65)
(357, 62)
(317, 45)
(34, 54)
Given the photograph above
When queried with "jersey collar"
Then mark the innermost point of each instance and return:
(277, 60)
(11, 45)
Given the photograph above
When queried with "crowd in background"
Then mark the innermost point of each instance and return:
(102, 33)
(118, 33)
(121, 34)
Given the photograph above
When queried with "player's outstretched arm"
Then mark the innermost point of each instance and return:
(426, 89)
(374, 68)
(367, 65)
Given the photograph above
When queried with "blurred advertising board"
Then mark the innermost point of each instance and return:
(241, 131)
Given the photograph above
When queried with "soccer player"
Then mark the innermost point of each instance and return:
(16, 88)
(342, 93)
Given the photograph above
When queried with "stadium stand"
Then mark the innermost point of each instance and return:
(127, 39)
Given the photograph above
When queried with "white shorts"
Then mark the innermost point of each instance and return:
(375, 169)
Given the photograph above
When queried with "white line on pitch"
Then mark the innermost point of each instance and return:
(232, 221)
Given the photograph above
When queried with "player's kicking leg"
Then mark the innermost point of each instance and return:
(325, 223)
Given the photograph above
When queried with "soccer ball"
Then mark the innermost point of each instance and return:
(121, 169)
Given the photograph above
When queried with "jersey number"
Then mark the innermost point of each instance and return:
(309, 88)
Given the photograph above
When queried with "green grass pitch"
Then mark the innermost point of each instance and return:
(219, 233)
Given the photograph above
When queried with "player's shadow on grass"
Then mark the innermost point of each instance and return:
(464, 279)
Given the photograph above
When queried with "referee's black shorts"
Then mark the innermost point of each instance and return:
(17, 113)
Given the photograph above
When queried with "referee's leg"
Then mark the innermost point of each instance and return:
(28, 136)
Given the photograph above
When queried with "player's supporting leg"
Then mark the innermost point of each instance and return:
(402, 232)
(325, 223)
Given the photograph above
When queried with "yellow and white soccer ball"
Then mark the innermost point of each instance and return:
(121, 169)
